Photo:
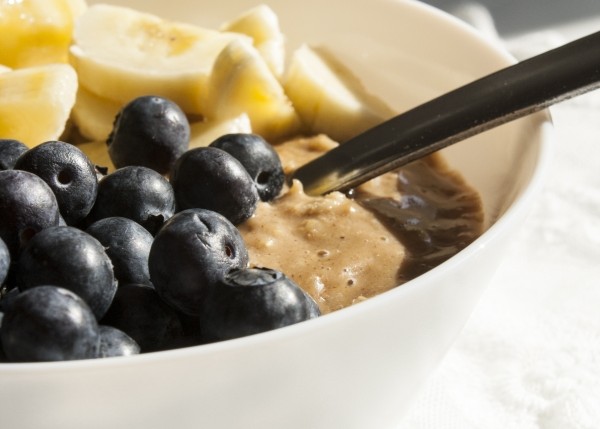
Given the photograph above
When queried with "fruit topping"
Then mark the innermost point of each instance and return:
(149, 131)
(49, 323)
(137, 193)
(4, 261)
(37, 32)
(121, 54)
(127, 244)
(138, 311)
(70, 258)
(114, 342)
(69, 173)
(241, 82)
(253, 300)
(212, 179)
(27, 205)
(259, 159)
(191, 253)
(328, 97)
(35, 102)
(10, 150)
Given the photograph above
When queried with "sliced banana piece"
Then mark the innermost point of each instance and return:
(261, 23)
(241, 82)
(329, 98)
(121, 53)
(94, 115)
(36, 32)
(77, 7)
(203, 133)
(35, 102)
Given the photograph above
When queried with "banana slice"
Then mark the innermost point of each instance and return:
(328, 98)
(262, 25)
(35, 102)
(93, 115)
(203, 133)
(36, 32)
(121, 53)
(242, 82)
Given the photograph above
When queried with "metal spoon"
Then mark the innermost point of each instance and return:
(511, 93)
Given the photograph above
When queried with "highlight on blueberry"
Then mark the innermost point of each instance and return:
(114, 342)
(127, 244)
(69, 173)
(258, 158)
(137, 193)
(49, 323)
(212, 179)
(27, 205)
(190, 254)
(150, 131)
(70, 258)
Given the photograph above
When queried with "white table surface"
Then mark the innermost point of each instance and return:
(529, 358)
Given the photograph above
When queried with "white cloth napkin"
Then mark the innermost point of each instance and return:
(529, 358)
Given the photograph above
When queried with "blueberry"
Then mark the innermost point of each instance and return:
(27, 205)
(114, 342)
(70, 258)
(210, 178)
(10, 150)
(4, 261)
(192, 251)
(138, 311)
(137, 193)
(7, 297)
(258, 158)
(49, 323)
(254, 300)
(69, 173)
(127, 244)
(150, 131)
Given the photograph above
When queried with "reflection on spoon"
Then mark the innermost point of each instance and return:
(511, 93)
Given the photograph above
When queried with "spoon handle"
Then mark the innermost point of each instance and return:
(500, 97)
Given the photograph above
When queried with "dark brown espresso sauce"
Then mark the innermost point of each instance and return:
(436, 216)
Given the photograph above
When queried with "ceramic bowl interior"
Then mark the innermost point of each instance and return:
(356, 368)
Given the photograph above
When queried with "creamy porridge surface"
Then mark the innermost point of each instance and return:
(344, 249)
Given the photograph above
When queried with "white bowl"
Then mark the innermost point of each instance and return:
(356, 368)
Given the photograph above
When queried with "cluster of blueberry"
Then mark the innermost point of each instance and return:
(95, 264)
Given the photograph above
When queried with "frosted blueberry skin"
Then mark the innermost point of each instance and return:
(259, 159)
(27, 205)
(212, 179)
(4, 261)
(251, 301)
(48, 323)
(190, 254)
(138, 311)
(69, 173)
(10, 150)
(149, 131)
(137, 193)
(127, 244)
(114, 342)
(70, 258)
